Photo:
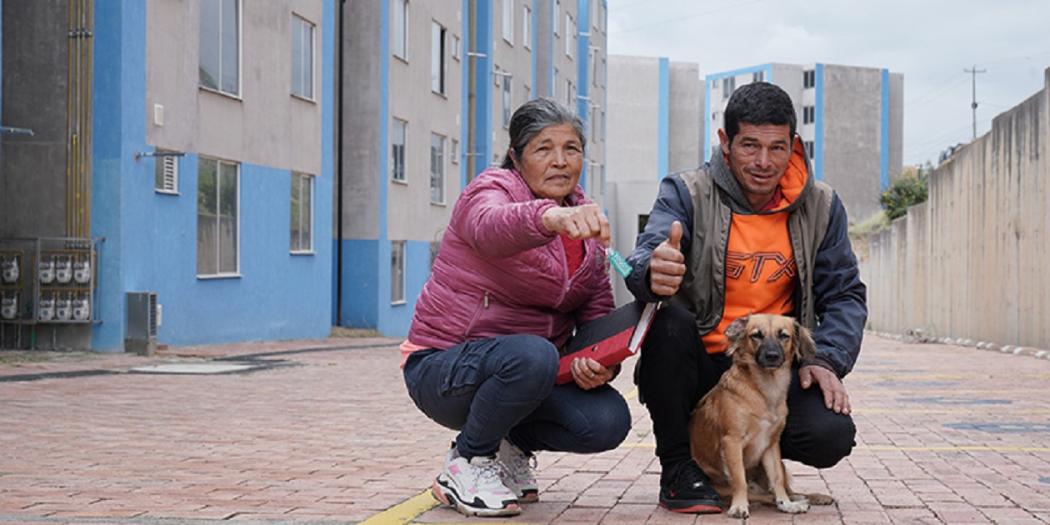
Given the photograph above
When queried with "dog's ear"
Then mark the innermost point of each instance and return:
(804, 345)
(736, 328)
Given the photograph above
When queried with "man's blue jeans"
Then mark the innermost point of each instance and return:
(504, 387)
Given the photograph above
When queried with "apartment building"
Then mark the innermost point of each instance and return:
(181, 152)
(428, 89)
(849, 118)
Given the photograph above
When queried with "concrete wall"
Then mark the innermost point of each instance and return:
(361, 47)
(511, 58)
(655, 117)
(33, 169)
(632, 118)
(896, 123)
(968, 263)
(410, 213)
(264, 124)
(852, 116)
(685, 117)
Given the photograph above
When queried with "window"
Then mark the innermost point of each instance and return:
(570, 93)
(397, 150)
(526, 27)
(302, 58)
(399, 35)
(556, 7)
(809, 78)
(570, 34)
(217, 204)
(397, 272)
(166, 172)
(220, 46)
(507, 100)
(508, 21)
(437, 58)
(809, 148)
(302, 213)
(455, 47)
(437, 169)
(728, 85)
(758, 76)
(435, 247)
(808, 114)
(454, 151)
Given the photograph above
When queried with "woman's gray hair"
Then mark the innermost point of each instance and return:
(531, 118)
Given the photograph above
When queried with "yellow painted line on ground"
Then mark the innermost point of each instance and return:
(951, 448)
(404, 512)
(993, 409)
(893, 448)
(631, 394)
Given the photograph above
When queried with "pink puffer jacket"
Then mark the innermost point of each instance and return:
(500, 272)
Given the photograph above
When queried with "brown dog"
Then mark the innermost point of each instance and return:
(736, 427)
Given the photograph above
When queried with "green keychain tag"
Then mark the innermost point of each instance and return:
(618, 262)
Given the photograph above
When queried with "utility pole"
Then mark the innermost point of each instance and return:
(973, 100)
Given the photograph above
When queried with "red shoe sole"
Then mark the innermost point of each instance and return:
(695, 509)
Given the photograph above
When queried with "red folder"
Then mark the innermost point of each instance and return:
(609, 339)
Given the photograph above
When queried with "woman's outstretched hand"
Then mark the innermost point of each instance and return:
(578, 222)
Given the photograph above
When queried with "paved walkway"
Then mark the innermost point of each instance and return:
(322, 431)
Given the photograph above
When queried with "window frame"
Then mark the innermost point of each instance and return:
(240, 55)
(438, 35)
(399, 44)
(398, 249)
(309, 213)
(218, 205)
(506, 99)
(299, 19)
(507, 21)
(570, 35)
(526, 26)
(440, 188)
(393, 154)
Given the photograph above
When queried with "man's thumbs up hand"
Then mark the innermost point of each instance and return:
(667, 264)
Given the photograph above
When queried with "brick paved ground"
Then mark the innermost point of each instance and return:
(946, 435)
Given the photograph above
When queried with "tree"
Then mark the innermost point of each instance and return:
(908, 190)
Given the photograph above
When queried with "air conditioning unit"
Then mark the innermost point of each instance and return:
(141, 333)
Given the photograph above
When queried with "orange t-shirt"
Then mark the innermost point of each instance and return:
(760, 263)
(760, 272)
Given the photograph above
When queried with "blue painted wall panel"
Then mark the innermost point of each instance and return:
(884, 133)
(818, 124)
(395, 320)
(151, 238)
(118, 129)
(583, 56)
(360, 283)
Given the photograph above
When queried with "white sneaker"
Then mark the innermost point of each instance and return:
(517, 472)
(474, 487)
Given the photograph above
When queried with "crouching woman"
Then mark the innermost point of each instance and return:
(520, 265)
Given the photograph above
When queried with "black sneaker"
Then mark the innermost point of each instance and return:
(687, 489)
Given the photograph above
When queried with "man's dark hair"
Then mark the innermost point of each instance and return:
(758, 103)
(531, 118)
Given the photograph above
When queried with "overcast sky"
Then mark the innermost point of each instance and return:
(930, 42)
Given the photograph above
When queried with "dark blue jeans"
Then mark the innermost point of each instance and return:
(490, 389)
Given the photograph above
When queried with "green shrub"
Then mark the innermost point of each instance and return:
(908, 190)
